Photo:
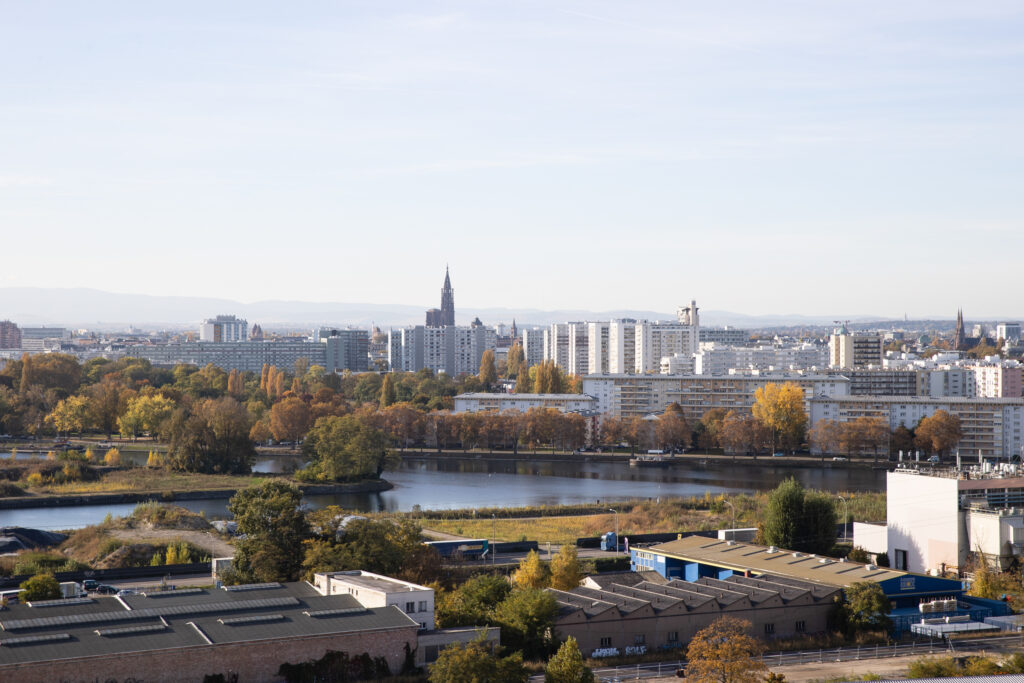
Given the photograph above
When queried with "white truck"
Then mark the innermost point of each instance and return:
(71, 589)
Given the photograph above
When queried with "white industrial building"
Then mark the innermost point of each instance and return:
(938, 518)
(374, 590)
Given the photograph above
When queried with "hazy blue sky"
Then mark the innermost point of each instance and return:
(763, 157)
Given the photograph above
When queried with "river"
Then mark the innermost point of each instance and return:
(447, 483)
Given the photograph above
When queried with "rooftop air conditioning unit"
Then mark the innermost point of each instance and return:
(870, 567)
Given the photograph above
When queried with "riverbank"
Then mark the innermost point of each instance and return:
(684, 460)
(46, 500)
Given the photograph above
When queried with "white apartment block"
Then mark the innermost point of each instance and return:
(579, 349)
(224, 328)
(451, 349)
(997, 379)
(1008, 331)
(991, 426)
(622, 346)
(597, 347)
(631, 395)
(565, 403)
(534, 343)
(717, 359)
(727, 336)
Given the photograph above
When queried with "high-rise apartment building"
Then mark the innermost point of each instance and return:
(450, 349)
(597, 347)
(10, 335)
(345, 349)
(534, 343)
(224, 328)
(854, 350)
(1008, 331)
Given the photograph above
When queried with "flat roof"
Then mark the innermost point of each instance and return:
(762, 560)
(377, 583)
(183, 619)
(526, 397)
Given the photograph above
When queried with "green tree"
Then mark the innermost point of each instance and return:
(69, 415)
(213, 438)
(516, 360)
(39, 587)
(473, 602)
(984, 584)
(565, 569)
(723, 652)
(567, 666)
(271, 528)
(345, 447)
(527, 620)
(388, 392)
(798, 521)
(488, 371)
(145, 414)
(867, 607)
(476, 662)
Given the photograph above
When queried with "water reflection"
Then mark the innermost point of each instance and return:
(447, 483)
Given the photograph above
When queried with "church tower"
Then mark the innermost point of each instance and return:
(959, 336)
(447, 300)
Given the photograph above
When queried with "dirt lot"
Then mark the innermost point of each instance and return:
(212, 543)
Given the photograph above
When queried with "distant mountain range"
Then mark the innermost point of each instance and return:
(99, 310)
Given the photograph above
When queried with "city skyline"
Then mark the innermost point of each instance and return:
(829, 160)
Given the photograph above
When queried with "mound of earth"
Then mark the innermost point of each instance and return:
(15, 538)
(134, 555)
(157, 516)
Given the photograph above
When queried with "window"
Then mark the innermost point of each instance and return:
(410, 607)
(769, 629)
(639, 639)
(901, 559)
(801, 626)
(606, 641)
(423, 606)
(673, 636)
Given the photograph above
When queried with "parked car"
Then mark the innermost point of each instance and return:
(90, 584)
(778, 454)
(934, 459)
(127, 591)
(104, 589)
(839, 458)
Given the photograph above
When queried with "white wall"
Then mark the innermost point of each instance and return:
(923, 518)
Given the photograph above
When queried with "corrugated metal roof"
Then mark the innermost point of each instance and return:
(761, 559)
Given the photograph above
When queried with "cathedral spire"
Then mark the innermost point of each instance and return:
(447, 300)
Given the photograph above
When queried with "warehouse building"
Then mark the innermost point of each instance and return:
(639, 612)
(187, 634)
(695, 558)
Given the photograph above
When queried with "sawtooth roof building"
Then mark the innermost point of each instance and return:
(188, 634)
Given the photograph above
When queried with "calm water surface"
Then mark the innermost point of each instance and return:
(446, 483)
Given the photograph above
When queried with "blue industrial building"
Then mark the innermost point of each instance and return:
(693, 558)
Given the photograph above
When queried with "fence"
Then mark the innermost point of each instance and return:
(631, 672)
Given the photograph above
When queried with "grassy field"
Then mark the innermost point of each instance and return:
(673, 515)
(145, 479)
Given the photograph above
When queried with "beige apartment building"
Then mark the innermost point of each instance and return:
(622, 395)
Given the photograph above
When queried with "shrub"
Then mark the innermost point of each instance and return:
(39, 587)
(112, 458)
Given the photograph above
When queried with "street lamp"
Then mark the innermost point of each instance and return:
(846, 515)
(733, 518)
(616, 528)
(494, 539)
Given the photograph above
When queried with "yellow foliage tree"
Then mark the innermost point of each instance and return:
(780, 408)
(90, 455)
(565, 569)
(154, 459)
(112, 458)
(724, 653)
(531, 573)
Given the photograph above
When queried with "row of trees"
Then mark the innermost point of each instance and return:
(938, 433)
